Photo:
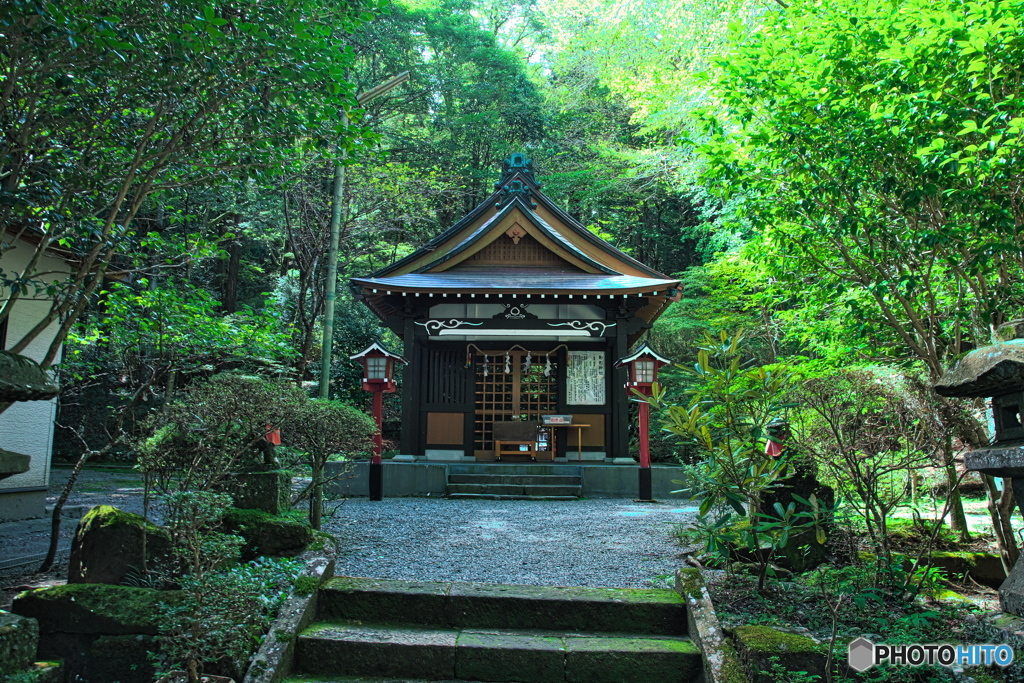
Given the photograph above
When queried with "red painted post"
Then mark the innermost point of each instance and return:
(645, 451)
(378, 417)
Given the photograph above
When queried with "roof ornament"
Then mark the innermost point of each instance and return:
(513, 189)
(517, 164)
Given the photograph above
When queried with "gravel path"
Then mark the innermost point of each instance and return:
(598, 542)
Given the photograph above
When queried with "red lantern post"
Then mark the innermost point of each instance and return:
(378, 377)
(643, 365)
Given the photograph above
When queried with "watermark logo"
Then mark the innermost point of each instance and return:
(864, 654)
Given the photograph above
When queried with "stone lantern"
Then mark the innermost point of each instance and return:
(21, 379)
(997, 372)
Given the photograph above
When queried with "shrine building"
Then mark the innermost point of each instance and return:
(516, 312)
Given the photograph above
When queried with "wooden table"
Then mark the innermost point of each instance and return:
(579, 437)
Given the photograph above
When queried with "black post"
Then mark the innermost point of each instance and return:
(645, 483)
(376, 481)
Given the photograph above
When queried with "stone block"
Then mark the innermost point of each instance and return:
(756, 645)
(124, 659)
(266, 534)
(108, 546)
(483, 656)
(93, 609)
(19, 638)
(625, 660)
(269, 492)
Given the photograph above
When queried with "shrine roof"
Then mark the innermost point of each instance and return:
(518, 206)
(520, 280)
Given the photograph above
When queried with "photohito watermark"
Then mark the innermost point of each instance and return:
(864, 654)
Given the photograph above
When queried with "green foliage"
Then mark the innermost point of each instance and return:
(105, 107)
(218, 428)
(322, 429)
(727, 418)
(875, 143)
(224, 615)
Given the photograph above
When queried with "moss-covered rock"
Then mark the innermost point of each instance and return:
(122, 658)
(269, 492)
(108, 546)
(39, 672)
(94, 608)
(268, 535)
(19, 637)
(985, 568)
(755, 645)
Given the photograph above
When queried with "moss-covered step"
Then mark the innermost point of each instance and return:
(353, 649)
(478, 605)
(617, 610)
(384, 601)
(599, 659)
(93, 608)
(505, 655)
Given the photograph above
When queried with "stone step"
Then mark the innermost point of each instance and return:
(485, 605)
(516, 489)
(492, 496)
(523, 479)
(357, 649)
(514, 468)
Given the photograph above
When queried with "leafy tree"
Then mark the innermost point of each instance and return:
(104, 107)
(323, 429)
(877, 145)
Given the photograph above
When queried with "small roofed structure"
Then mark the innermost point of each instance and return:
(997, 372)
(514, 312)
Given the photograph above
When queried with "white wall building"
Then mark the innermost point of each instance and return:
(27, 427)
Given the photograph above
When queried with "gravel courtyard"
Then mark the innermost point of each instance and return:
(596, 542)
(593, 542)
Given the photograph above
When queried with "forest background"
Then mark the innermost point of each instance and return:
(838, 178)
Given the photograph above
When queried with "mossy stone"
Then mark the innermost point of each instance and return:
(122, 658)
(94, 608)
(266, 534)
(19, 638)
(756, 644)
(268, 492)
(108, 546)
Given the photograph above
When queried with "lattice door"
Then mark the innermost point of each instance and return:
(520, 394)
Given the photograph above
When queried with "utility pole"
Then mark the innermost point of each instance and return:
(331, 286)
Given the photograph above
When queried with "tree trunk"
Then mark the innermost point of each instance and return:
(316, 498)
(1000, 507)
(957, 520)
(51, 552)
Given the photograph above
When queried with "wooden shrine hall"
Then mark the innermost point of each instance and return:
(516, 312)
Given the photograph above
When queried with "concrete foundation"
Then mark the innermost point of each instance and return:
(29, 503)
(600, 480)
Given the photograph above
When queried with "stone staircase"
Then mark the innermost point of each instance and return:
(515, 481)
(379, 630)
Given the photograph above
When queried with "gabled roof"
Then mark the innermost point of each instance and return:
(517, 195)
(517, 241)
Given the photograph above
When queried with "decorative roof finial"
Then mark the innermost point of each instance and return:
(517, 163)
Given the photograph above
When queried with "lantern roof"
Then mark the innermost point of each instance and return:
(643, 350)
(378, 348)
(989, 371)
(22, 379)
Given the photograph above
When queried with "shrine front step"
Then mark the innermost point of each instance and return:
(531, 468)
(517, 479)
(386, 630)
(528, 490)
